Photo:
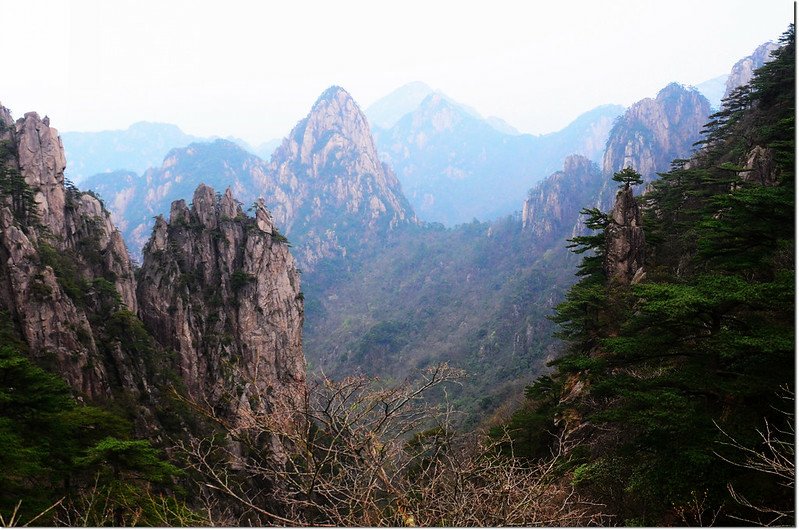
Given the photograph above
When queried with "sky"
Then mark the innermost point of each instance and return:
(252, 69)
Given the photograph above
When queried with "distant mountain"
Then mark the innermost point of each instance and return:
(140, 146)
(329, 186)
(135, 200)
(713, 90)
(743, 70)
(387, 111)
(456, 166)
(501, 125)
(325, 186)
(265, 149)
(552, 207)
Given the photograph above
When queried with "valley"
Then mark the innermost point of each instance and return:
(400, 313)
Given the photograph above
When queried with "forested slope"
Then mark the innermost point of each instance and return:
(678, 387)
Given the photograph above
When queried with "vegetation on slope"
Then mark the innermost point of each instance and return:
(672, 385)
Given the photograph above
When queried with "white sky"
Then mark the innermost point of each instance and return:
(252, 69)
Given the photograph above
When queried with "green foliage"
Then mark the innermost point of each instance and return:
(240, 279)
(280, 238)
(475, 296)
(628, 177)
(51, 447)
(13, 185)
(705, 342)
(63, 265)
(135, 458)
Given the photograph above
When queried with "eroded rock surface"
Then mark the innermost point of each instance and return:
(62, 262)
(624, 240)
(221, 290)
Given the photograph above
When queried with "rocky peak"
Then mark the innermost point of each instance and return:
(552, 208)
(387, 111)
(654, 132)
(327, 174)
(743, 70)
(42, 163)
(624, 240)
(439, 112)
(64, 269)
(221, 289)
(335, 113)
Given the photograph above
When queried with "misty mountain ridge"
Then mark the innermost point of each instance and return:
(139, 147)
(456, 166)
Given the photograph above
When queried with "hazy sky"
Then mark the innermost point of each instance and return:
(253, 69)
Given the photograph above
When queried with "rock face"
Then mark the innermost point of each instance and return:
(760, 167)
(653, 132)
(221, 290)
(552, 207)
(62, 262)
(744, 69)
(624, 240)
(328, 187)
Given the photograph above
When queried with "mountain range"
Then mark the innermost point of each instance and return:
(386, 293)
(139, 147)
(330, 191)
(257, 281)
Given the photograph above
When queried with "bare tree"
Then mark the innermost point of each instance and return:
(371, 455)
(775, 456)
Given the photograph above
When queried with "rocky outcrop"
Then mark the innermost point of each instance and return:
(624, 240)
(743, 70)
(760, 167)
(653, 132)
(221, 290)
(552, 207)
(328, 187)
(63, 265)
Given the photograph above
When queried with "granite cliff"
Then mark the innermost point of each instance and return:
(654, 132)
(63, 265)
(217, 287)
(220, 289)
(623, 260)
(553, 206)
(743, 70)
(327, 185)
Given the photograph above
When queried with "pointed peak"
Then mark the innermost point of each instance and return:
(203, 190)
(675, 89)
(228, 206)
(333, 93)
(5, 116)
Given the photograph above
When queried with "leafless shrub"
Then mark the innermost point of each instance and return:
(774, 456)
(13, 519)
(123, 504)
(371, 455)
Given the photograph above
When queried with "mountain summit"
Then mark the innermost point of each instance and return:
(653, 132)
(327, 173)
